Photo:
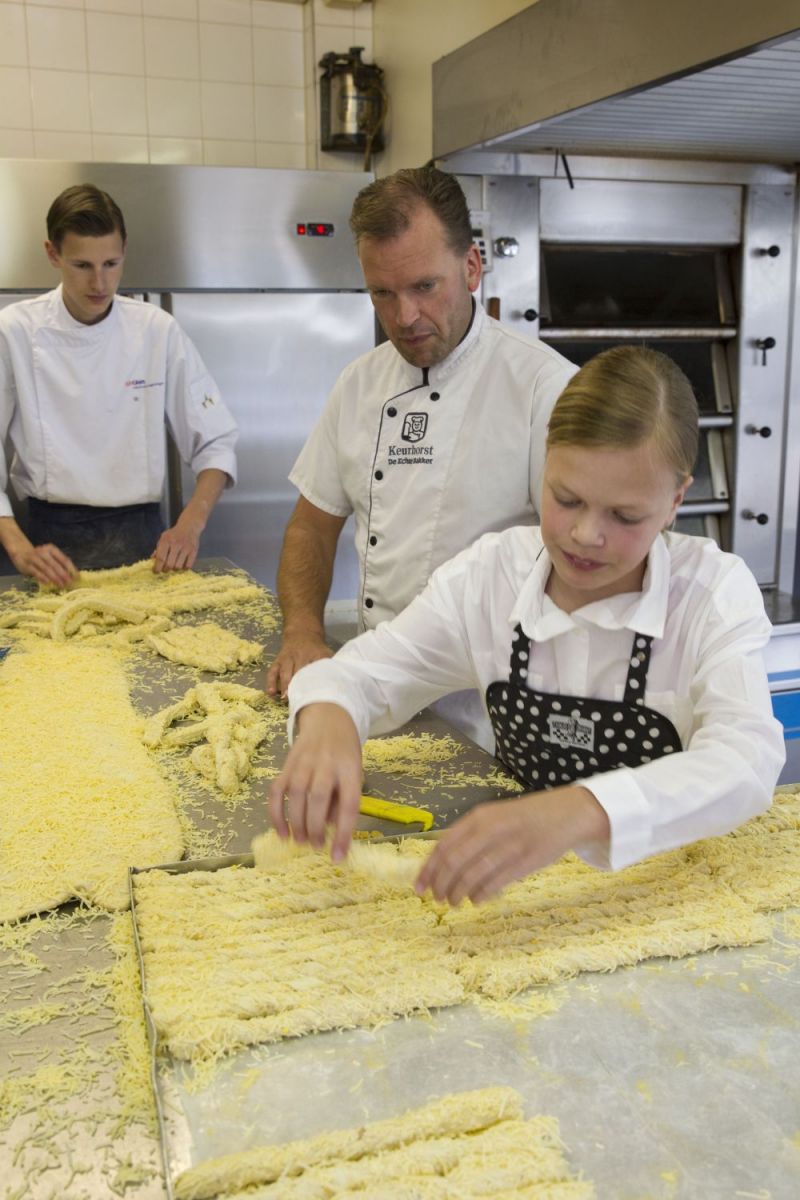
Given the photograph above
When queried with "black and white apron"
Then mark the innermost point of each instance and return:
(546, 739)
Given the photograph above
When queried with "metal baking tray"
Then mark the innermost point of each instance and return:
(657, 1074)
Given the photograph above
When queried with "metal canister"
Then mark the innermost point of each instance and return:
(352, 102)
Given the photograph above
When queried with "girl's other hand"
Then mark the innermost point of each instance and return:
(499, 842)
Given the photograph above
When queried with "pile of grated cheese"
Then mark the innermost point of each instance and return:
(467, 1144)
(238, 957)
(80, 799)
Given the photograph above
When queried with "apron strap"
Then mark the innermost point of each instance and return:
(637, 668)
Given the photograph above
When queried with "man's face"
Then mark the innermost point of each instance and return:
(421, 288)
(91, 270)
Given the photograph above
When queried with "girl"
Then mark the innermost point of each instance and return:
(620, 663)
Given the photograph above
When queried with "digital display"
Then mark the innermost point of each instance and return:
(314, 229)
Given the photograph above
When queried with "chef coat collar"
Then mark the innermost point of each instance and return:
(439, 374)
(65, 319)
(642, 612)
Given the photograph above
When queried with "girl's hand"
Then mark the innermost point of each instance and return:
(320, 783)
(501, 841)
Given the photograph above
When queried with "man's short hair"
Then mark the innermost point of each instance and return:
(384, 209)
(85, 210)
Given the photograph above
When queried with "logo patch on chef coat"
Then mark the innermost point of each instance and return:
(571, 731)
(414, 426)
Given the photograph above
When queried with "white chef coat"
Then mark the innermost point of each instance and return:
(84, 406)
(428, 460)
(706, 615)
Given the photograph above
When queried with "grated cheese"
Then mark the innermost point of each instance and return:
(80, 799)
(465, 1144)
(239, 956)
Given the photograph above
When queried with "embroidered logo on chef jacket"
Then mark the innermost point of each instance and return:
(546, 739)
(414, 426)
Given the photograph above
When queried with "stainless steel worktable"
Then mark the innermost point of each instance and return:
(671, 1079)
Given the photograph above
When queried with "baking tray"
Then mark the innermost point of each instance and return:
(671, 1079)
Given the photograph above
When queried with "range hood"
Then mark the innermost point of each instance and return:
(702, 79)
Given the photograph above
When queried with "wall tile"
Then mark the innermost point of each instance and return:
(16, 143)
(118, 104)
(15, 98)
(280, 114)
(13, 40)
(116, 43)
(76, 147)
(273, 14)
(184, 9)
(55, 3)
(279, 59)
(228, 111)
(60, 100)
(362, 17)
(229, 153)
(339, 162)
(333, 38)
(188, 151)
(280, 154)
(323, 15)
(171, 48)
(119, 147)
(129, 7)
(226, 53)
(57, 38)
(228, 12)
(173, 108)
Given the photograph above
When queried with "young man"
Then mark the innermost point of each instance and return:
(88, 380)
(420, 437)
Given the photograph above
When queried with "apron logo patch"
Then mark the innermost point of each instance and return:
(577, 732)
(414, 426)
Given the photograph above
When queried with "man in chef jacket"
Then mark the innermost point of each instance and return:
(431, 439)
(87, 381)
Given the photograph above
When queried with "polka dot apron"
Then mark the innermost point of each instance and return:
(546, 740)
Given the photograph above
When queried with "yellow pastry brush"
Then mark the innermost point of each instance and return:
(390, 810)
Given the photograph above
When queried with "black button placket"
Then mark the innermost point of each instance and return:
(388, 410)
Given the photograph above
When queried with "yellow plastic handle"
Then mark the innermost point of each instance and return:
(389, 810)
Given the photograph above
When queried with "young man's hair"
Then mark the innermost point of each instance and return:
(85, 210)
(625, 396)
(384, 209)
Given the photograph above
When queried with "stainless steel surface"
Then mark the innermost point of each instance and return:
(655, 1073)
(192, 228)
(689, 333)
(622, 76)
(471, 163)
(789, 567)
(616, 212)
(275, 358)
(763, 398)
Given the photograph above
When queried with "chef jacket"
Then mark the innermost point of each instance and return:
(84, 406)
(701, 606)
(430, 459)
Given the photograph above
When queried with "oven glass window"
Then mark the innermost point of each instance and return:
(605, 287)
(694, 358)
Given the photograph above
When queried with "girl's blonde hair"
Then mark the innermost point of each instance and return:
(625, 396)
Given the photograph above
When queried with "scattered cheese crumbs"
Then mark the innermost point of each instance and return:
(223, 717)
(80, 800)
(239, 956)
(466, 1144)
(128, 603)
(208, 647)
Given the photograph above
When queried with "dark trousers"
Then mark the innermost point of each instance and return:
(96, 537)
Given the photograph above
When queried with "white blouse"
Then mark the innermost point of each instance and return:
(705, 613)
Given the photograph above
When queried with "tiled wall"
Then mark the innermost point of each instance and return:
(220, 82)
